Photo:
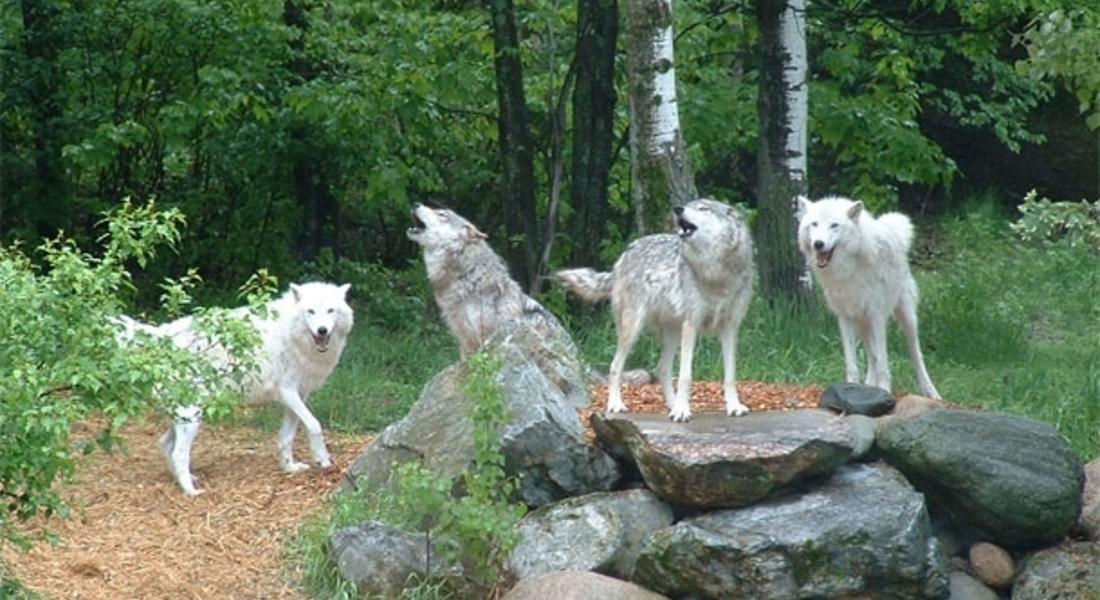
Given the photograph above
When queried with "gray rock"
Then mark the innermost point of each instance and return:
(857, 399)
(1065, 572)
(1009, 480)
(863, 534)
(599, 532)
(720, 461)
(908, 407)
(1089, 523)
(577, 585)
(543, 443)
(379, 559)
(965, 587)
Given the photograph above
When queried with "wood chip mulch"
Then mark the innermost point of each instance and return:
(133, 534)
(707, 397)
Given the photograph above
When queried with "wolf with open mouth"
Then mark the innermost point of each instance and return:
(697, 280)
(862, 265)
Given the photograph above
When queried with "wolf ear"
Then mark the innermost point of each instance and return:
(474, 232)
(855, 211)
(803, 205)
(296, 291)
(344, 289)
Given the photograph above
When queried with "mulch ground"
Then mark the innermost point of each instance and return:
(134, 535)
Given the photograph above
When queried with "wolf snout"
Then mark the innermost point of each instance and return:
(678, 210)
(819, 245)
(322, 331)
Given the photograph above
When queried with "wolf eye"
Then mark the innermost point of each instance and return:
(311, 311)
(331, 310)
(834, 225)
(814, 224)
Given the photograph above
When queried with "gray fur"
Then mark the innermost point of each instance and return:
(471, 284)
(697, 281)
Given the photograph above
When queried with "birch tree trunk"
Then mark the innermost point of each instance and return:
(660, 174)
(781, 154)
(517, 152)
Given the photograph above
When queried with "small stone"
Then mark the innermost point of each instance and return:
(859, 399)
(992, 565)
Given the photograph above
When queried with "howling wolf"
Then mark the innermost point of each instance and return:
(699, 280)
(470, 282)
(862, 265)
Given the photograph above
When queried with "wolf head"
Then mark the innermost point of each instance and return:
(324, 311)
(439, 227)
(709, 224)
(826, 225)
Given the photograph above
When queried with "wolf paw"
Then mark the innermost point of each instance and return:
(680, 414)
(324, 463)
(295, 467)
(736, 409)
(616, 407)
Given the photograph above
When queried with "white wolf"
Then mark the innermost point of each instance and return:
(302, 337)
(699, 280)
(862, 265)
(470, 282)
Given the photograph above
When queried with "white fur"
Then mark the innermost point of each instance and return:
(862, 265)
(303, 336)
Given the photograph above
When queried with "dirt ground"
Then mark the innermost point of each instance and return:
(134, 536)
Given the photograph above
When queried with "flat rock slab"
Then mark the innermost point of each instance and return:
(717, 461)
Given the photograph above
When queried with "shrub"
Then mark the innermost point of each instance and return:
(64, 359)
(1073, 223)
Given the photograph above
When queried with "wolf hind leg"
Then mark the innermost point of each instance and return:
(878, 364)
(628, 325)
(906, 314)
(734, 408)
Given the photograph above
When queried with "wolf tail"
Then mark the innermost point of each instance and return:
(589, 285)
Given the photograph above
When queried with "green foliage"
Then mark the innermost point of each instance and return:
(64, 359)
(1062, 45)
(1073, 223)
(474, 528)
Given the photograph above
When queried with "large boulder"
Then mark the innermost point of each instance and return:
(543, 442)
(1066, 572)
(1013, 481)
(577, 585)
(600, 532)
(863, 534)
(719, 461)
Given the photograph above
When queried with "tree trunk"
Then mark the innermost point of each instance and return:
(593, 124)
(48, 191)
(515, 145)
(660, 174)
(781, 154)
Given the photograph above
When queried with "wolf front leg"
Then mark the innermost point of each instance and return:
(176, 445)
(680, 411)
(295, 412)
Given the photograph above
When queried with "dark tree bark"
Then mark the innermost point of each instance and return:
(781, 154)
(48, 191)
(521, 217)
(311, 187)
(593, 124)
(660, 174)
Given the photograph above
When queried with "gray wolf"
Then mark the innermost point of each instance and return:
(697, 281)
(862, 265)
(303, 334)
(471, 284)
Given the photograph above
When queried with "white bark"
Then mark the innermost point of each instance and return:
(666, 117)
(793, 39)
